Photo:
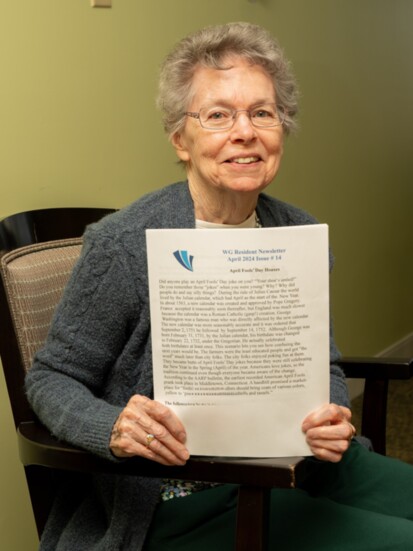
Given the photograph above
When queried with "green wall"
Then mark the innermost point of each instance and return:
(78, 126)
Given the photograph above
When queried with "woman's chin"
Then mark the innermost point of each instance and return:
(245, 185)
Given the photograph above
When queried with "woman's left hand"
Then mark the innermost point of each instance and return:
(329, 431)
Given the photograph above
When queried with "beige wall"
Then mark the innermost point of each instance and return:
(79, 127)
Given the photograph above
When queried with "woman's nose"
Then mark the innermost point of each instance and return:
(243, 129)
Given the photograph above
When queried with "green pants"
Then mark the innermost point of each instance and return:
(363, 503)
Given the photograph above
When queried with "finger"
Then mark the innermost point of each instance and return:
(158, 451)
(137, 449)
(327, 414)
(129, 440)
(338, 446)
(163, 415)
(161, 433)
(330, 413)
(327, 455)
(329, 450)
(340, 431)
(353, 431)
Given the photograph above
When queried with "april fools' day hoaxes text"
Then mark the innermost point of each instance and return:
(232, 337)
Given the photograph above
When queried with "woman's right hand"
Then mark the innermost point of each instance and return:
(142, 417)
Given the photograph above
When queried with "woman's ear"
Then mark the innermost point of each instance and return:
(178, 141)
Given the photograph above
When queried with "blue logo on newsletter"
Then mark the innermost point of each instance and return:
(184, 259)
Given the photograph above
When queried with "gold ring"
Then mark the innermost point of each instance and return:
(149, 439)
(353, 432)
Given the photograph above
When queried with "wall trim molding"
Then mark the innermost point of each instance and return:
(400, 349)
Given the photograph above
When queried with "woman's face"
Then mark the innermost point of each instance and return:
(243, 158)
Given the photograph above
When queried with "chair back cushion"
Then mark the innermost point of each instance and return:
(34, 278)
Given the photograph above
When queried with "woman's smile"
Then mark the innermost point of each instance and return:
(244, 160)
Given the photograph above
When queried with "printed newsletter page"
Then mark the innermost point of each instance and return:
(240, 334)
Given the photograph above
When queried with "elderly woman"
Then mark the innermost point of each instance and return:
(228, 98)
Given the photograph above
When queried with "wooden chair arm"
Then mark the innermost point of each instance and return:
(38, 447)
(384, 368)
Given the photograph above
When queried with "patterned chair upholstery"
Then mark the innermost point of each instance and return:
(35, 277)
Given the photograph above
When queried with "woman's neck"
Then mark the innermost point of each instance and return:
(223, 207)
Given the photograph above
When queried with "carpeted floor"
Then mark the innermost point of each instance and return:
(399, 419)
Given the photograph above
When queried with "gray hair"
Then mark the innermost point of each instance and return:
(211, 47)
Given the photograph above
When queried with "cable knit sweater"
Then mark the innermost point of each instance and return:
(98, 354)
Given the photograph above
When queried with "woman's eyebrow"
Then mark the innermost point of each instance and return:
(231, 104)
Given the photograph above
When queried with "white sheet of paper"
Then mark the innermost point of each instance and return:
(240, 334)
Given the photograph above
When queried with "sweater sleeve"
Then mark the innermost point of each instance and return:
(66, 384)
(338, 385)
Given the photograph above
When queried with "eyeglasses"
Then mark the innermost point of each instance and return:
(223, 118)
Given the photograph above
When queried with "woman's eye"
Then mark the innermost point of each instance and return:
(217, 115)
(262, 113)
